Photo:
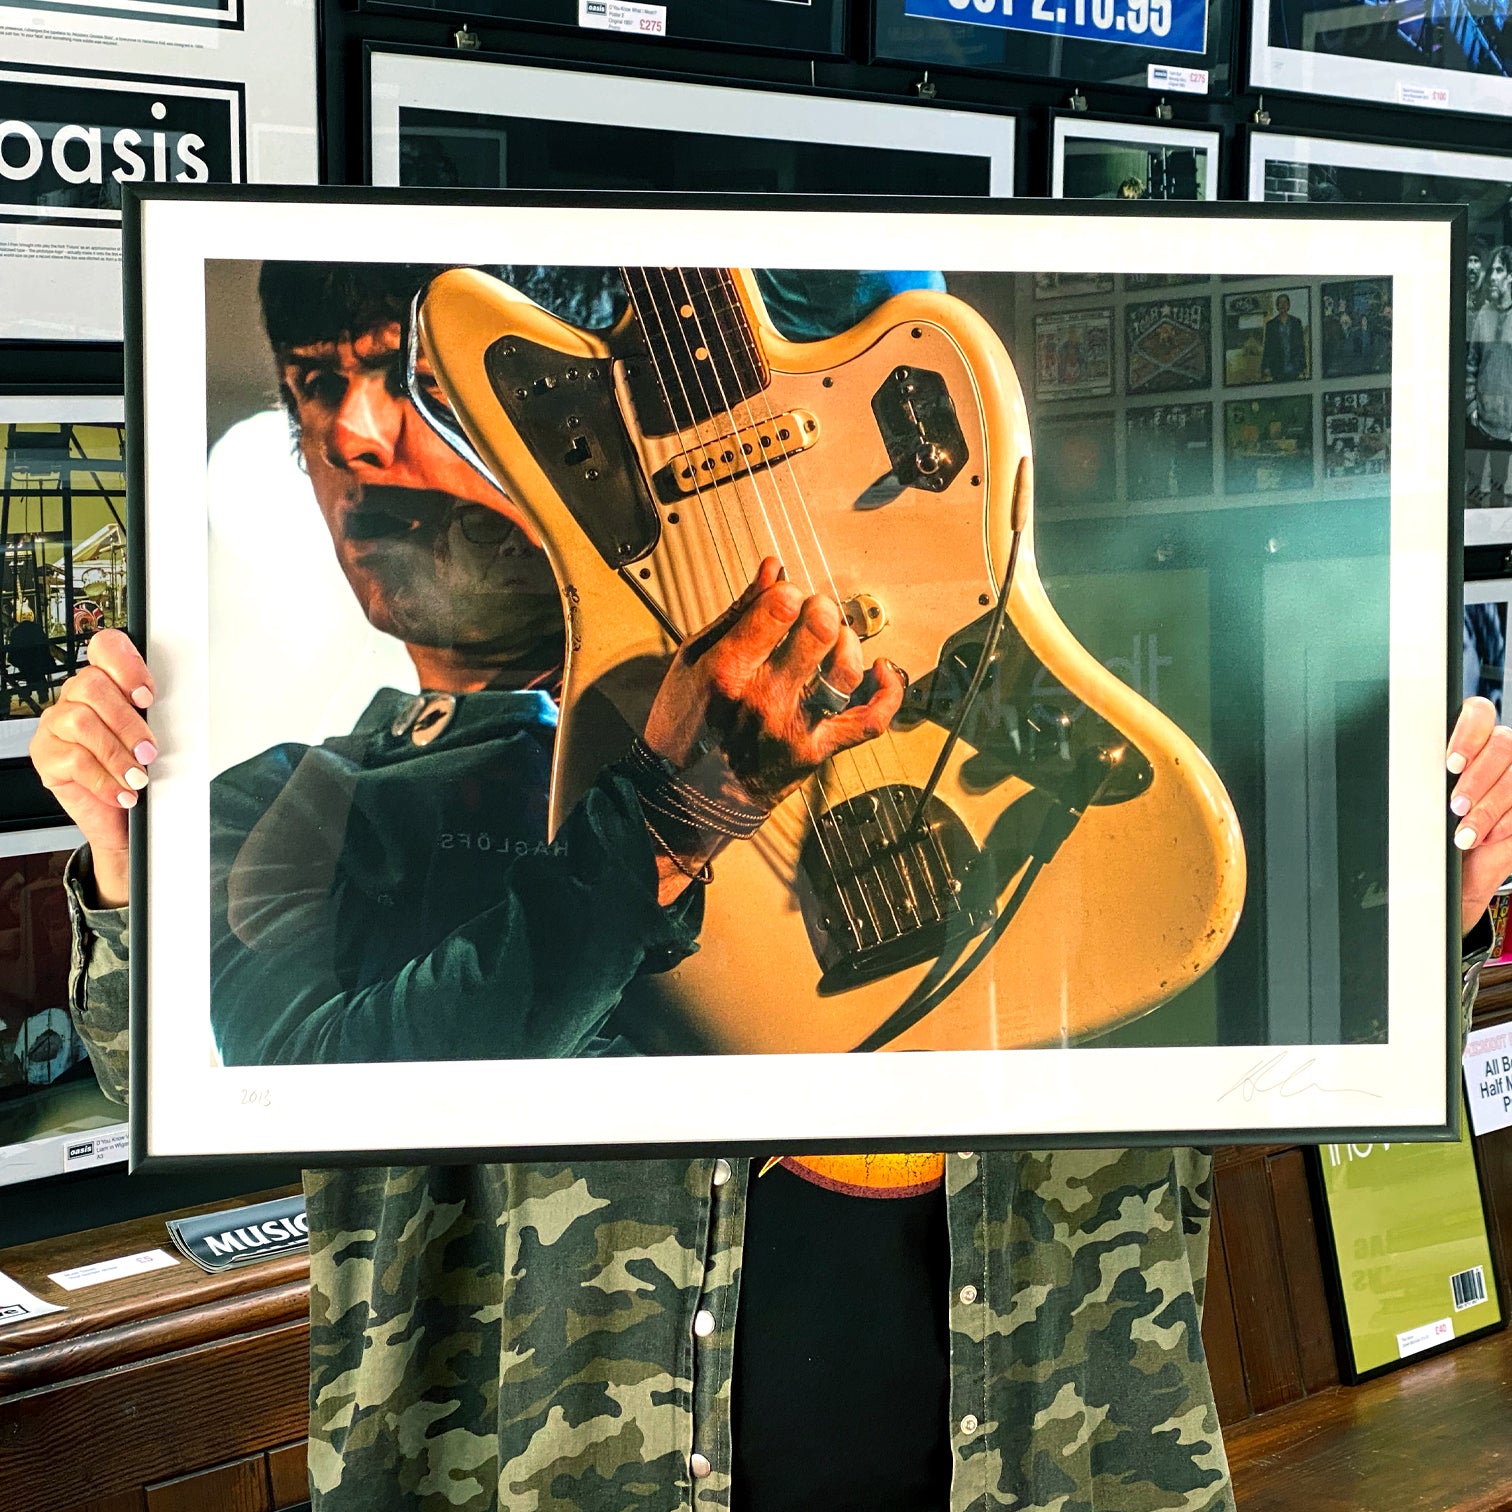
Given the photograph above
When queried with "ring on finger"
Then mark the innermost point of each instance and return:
(823, 699)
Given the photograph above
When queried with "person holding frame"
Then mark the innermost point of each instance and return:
(565, 1332)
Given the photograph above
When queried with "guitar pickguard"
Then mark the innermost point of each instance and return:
(564, 410)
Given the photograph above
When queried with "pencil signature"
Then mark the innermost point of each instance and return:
(1271, 1076)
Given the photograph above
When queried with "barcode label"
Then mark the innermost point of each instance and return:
(1469, 1287)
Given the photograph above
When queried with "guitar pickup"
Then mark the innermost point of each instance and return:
(747, 450)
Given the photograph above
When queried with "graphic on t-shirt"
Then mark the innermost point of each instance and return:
(867, 1175)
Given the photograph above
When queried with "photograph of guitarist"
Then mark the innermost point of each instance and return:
(1012, 1328)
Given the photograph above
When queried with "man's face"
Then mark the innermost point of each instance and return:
(1283, 306)
(1501, 280)
(434, 553)
(1474, 269)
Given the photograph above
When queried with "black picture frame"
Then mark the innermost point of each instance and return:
(1262, 1083)
(958, 46)
(810, 28)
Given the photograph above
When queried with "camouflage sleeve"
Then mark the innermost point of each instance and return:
(98, 979)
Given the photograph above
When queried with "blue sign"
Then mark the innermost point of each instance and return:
(1164, 25)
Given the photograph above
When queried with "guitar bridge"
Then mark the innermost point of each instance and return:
(882, 897)
(753, 447)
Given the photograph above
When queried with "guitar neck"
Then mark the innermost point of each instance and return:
(703, 358)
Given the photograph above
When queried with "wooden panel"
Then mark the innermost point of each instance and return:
(126, 1501)
(1220, 1338)
(1426, 1438)
(1302, 1260)
(241, 1486)
(149, 1420)
(1257, 1279)
(287, 1475)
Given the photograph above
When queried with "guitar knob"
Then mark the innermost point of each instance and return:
(930, 458)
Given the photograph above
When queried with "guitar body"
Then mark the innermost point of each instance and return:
(1071, 873)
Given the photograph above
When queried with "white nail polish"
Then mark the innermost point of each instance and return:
(1464, 837)
(1459, 806)
(136, 778)
(126, 800)
(1455, 762)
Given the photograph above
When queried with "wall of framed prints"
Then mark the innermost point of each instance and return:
(1207, 393)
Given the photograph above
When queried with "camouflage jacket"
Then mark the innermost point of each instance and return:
(522, 1336)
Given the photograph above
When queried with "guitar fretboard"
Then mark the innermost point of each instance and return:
(703, 356)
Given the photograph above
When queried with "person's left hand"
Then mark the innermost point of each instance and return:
(1480, 755)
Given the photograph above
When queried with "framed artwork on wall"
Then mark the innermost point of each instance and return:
(99, 96)
(662, 429)
(53, 1117)
(62, 546)
(1485, 642)
(1439, 59)
(1175, 46)
(1358, 320)
(813, 28)
(1131, 160)
(437, 120)
(1413, 1271)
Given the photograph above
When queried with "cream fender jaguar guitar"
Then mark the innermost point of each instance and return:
(1032, 853)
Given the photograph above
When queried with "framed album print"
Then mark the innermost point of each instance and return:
(1131, 160)
(1267, 337)
(1406, 1230)
(53, 1117)
(1168, 344)
(1174, 46)
(102, 95)
(1485, 642)
(1435, 59)
(441, 121)
(1358, 319)
(62, 546)
(813, 28)
(373, 895)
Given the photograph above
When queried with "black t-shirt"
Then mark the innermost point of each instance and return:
(841, 1389)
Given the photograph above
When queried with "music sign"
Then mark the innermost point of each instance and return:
(1180, 25)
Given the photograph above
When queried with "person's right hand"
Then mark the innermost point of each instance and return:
(92, 748)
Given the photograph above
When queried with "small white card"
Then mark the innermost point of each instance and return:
(1422, 94)
(112, 1270)
(1178, 80)
(101, 1147)
(1488, 1078)
(17, 1303)
(1416, 1340)
(623, 16)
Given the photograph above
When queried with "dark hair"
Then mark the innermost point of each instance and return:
(308, 302)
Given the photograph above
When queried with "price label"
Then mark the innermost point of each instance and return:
(1174, 25)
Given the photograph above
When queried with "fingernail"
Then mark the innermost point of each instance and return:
(136, 778)
(1464, 837)
(782, 574)
(126, 800)
(1460, 806)
(144, 751)
(1455, 762)
(142, 696)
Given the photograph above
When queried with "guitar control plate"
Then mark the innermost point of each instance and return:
(920, 428)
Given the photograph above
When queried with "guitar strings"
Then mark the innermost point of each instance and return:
(629, 275)
(887, 801)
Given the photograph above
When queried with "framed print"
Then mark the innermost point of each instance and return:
(1485, 642)
(1268, 443)
(1073, 354)
(381, 877)
(62, 546)
(1267, 337)
(1295, 169)
(1058, 285)
(53, 1117)
(437, 121)
(102, 95)
(1356, 432)
(1355, 328)
(1131, 160)
(1181, 46)
(1168, 344)
(814, 28)
(1412, 1271)
(1359, 51)
(1170, 452)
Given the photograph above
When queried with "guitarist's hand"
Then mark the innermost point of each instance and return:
(732, 714)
